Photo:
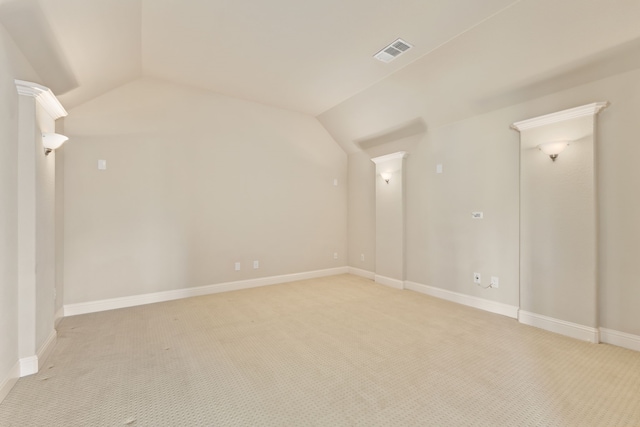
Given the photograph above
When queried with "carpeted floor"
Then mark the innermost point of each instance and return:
(337, 351)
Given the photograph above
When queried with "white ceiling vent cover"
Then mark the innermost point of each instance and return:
(392, 51)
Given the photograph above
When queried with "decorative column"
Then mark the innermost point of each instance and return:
(390, 219)
(38, 111)
(558, 247)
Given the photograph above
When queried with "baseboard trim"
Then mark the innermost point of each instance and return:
(58, 316)
(135, 300)
(468, 300)
(620, 339)
(362, 273)
(47, 348)
(9, 381)
(28, 366)
(388, 281)
(562, 327)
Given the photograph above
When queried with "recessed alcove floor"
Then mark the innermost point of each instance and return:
(335, 351)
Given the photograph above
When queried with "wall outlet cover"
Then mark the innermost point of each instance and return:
(495, 282)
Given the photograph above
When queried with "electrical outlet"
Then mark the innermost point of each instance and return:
(237, 266)
(256, 265)
(361, 257)
(335, 255)
(495, 282)
(477, 279)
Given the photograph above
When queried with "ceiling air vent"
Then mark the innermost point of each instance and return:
(392, 51)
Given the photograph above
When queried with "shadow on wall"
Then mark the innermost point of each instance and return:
(30, 30)
(617, 60)
(398, 138)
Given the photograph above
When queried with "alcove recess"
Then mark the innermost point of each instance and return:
(390, 219)
(558, 230)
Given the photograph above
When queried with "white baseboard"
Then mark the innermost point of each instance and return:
(621, 339)
(58, 316)
(362, 273)
(388, 281)
(9, 381)
(468, 300)
(562, 327)
(28, 365)
(45, 351)
(135, 300)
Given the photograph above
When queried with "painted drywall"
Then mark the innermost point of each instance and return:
(194, 183)
(617, 177)
(27, 204)
(558, 223)
(36, 231)
(444, 245)
(503, 61)
(59, 225)
(45, 266)
(361, 202)
(12, 65)
(390, 217)
(480, 158)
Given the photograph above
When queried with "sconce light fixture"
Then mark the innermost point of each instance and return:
(386, 176)
(552, 149)
(51, 141)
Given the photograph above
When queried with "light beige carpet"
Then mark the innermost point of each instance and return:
(338, 351)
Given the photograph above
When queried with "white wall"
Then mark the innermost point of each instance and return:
(362, 201)
(45, 230)
(480, 157)
(195, 182)
(59, 225)
(12, 65)
(390, 219)
(558, 223)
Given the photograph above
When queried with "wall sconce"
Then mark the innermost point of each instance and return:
(51, 141)
(386, 176)
(552, 149)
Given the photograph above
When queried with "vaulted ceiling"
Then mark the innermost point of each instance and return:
(306, 55)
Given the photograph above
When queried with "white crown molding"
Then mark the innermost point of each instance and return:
(135, 300)
(468, 300)
(560, 116)
(44, 96)
(387, 157)
(562, 327)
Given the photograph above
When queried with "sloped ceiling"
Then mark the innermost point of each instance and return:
(315, 56)
(302, 55)
(529, 50)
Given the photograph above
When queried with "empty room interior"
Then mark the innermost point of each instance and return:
(319, 212)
